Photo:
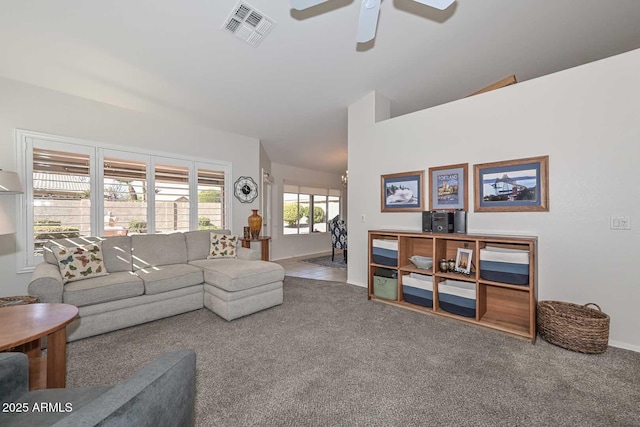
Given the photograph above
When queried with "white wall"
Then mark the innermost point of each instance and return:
(586, 119)
(290, 246)
(27, 107)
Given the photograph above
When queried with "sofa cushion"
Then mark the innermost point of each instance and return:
(232, 274)
(169, 277)
(116, 250)
(149, 250)
(198, 243)
(80, 262)
(223, 246)
(96, 290)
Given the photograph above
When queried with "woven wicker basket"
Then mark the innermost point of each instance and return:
(574, 327)
(20, 300)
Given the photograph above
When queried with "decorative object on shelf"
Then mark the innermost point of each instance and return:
(245, 189)
(247, 232)
(255, 224)
(463, 261)
(520, 185)
(402, 192)
(574, 327)
(451, 265)
(444, 265)
(422, 262)
(345, 178)
(448, 187)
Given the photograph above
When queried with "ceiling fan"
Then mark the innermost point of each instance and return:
(369, 10)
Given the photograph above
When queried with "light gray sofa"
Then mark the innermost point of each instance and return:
(161, 394)
(156, 276)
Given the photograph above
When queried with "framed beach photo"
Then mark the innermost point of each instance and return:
(448, 187)
(463, 260)
(512, 186)
(402, 192)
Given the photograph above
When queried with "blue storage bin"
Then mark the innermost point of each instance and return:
(505, 265)
(385, 257)
(385, 252)
(417, 291)
(457, 297)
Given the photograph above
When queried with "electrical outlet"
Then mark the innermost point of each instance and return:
(620, 222)
(361, 218)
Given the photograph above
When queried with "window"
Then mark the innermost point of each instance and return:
(171, 198)
(78, 188)
(307, 209)
(61, 189)
(211, 199)
(125, 196)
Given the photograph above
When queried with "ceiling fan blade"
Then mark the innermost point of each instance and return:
(438, 4)
(305, 4)
(368, 21)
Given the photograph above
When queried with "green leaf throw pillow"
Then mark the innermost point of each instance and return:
(80, 262)
(223, 246)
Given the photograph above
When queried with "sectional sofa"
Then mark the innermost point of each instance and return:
(155, 276)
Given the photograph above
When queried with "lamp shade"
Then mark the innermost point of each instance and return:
(6, 225)
(9, 183)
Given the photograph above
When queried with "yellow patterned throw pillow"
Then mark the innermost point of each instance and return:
(223, 246)
(80, 262)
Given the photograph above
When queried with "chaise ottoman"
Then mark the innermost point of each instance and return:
(234, 288)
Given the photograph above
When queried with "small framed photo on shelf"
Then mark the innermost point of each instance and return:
(402, 192)
(520, 185)
(448, 187)
(463, 261)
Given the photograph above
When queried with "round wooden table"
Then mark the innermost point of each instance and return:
(22, 328)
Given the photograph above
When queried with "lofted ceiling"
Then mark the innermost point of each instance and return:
(171, 58)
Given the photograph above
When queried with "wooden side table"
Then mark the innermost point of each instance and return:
(22, 328)
(264, 244)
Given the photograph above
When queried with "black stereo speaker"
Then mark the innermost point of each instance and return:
(460, 222)
(426, 221)
(442, 222)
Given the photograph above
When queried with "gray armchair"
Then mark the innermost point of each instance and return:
(160, 394)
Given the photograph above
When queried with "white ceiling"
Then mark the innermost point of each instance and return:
(171, 58)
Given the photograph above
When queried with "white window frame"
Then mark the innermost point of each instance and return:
(26, 261)
(310, 191)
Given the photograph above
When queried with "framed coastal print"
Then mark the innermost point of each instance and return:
(448, 187)
(520, 185)
(402, 192)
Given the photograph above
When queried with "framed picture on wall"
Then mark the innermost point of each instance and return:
(520, 185)
(402, 192)
(448, 187)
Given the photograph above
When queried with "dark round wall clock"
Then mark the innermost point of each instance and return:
(245, 189)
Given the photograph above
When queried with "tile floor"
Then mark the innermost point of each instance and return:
(296, 267)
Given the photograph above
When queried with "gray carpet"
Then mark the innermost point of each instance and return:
(325, 260)
(330, 357)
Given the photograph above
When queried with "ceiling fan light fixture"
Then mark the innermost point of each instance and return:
(368, 21)
(304, 4)
(437, 4)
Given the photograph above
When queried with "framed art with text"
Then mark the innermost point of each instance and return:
(520, 185)
(448, 187)
(402, 192)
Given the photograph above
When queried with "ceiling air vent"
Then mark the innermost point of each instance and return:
(248, 24)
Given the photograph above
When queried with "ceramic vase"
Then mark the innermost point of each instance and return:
(255, 224)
